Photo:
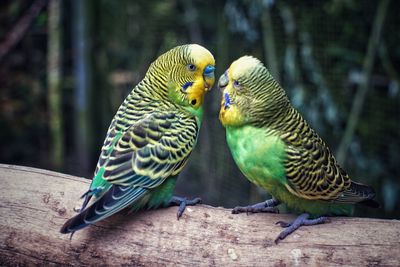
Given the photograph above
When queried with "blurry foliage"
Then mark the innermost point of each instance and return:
(319, 47)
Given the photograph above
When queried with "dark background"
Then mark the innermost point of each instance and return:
(66, 66)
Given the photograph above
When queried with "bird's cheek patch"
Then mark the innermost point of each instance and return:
(186, 86)
(227, 101)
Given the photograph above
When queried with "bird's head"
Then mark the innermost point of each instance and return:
(187, 72)
(249, 93)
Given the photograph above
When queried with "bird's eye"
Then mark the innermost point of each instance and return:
(191, 67)
(236, 84)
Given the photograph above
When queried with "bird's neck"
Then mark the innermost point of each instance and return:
(273, 115)
(153, 86)
(158, 92)
(197, 113)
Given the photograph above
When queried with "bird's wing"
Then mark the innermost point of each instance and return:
(151, 150)
(134, 161)
(311, 170)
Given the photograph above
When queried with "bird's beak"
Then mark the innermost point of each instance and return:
(209, 71)
(209, 76)
(223, 81)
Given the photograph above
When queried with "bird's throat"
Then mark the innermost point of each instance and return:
(231, 116)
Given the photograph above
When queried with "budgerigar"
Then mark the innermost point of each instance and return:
(150, 138)
(276, 149)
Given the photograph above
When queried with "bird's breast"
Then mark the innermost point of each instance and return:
(259, 156)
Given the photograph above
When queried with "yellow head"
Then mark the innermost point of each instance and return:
(188, 72)
(249, 94)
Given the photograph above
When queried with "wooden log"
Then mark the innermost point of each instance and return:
(35, 203)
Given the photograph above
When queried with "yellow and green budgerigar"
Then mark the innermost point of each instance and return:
(150, 138)
(276, 149)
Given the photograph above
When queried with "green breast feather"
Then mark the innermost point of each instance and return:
(259, 157)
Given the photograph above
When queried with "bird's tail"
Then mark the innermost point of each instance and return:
(367, 193)
(115, 199)
(359, 193)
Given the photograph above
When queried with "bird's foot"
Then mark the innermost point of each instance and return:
(182, 202)
(267, 206)
(299, 221)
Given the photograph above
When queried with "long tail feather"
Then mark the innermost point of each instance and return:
(116, 199)
(359, 193)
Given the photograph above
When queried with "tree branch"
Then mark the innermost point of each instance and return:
(35, 203)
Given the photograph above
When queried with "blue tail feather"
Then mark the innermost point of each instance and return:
(114, 200)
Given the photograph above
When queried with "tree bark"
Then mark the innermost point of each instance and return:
(35, 203)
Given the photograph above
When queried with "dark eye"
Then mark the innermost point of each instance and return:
(191, 67)
(236, 84)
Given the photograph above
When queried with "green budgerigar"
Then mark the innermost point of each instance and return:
(276, 149)
(150, 138)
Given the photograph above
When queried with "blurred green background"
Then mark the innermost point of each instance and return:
(66, 66)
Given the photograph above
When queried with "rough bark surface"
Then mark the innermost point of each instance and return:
(35, 203)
